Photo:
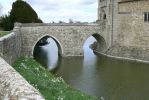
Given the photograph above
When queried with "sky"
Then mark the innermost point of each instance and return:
(59, 10)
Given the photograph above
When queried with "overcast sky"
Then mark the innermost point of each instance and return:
(55, 10)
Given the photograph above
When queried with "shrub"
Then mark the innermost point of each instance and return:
(23, 12)
(20, 12)
(6, 23)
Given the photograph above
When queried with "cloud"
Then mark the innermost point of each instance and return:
(55, 10)
(87, 2)
(1, 7)
(6, 4)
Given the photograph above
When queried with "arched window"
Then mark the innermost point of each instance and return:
(146, 17)
(104, 16)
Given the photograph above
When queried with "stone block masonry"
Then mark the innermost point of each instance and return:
(10, 46)
(128, 22)
(131, 53)
(124, 34)
(69, 37)
(13, 86)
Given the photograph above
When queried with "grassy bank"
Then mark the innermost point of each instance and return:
(3, 33)
(52, 88)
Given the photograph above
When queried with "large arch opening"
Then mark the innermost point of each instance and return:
(48, 52)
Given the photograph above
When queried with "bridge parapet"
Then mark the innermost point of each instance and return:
(100, 23)
(58, 24)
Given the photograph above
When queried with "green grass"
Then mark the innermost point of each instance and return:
(51, 87)
(3, 33)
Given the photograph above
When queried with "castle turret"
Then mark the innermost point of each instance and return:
(102, 5)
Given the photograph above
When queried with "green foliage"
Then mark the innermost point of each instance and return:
(23, 12)
(6, 23)
(3, 33)
(20, 12)
(39, 20)
(52, 88)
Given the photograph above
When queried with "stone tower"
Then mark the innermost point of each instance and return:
(106, 10)
(126, 24)
(102, 9)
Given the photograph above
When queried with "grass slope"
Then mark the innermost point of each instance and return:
(3, 33)
(52, 88)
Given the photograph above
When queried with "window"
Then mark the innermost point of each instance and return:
(104, 16)
(146, 17)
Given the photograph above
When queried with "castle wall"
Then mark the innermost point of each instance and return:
(131, 32)
(105, 14)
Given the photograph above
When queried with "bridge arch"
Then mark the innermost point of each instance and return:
(60, 49)
(101, 43)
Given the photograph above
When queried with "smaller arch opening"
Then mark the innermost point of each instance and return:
(48, 52)
(94, 43)
(100, 43)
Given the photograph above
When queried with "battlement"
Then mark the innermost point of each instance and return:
(103, 3)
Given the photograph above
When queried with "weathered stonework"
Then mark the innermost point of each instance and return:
(133, 53)
(13, 86)
(121, 31)
(10, 46)
(70, 37)
(129, 32)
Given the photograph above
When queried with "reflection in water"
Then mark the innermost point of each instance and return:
(101, 76)
(47, 54)
(52, 54)
(40, 55)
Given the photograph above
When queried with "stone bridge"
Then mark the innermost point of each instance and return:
(69, 37)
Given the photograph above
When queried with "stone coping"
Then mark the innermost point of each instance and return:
(55, 24)
(6, 36)
(13, 86)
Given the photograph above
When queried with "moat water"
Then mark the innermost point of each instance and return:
(99, 76)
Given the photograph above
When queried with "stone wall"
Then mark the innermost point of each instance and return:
(129, 32)
(125, 34)
(10, 46)
(132, 32)
(13, 86)
(132, 53)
